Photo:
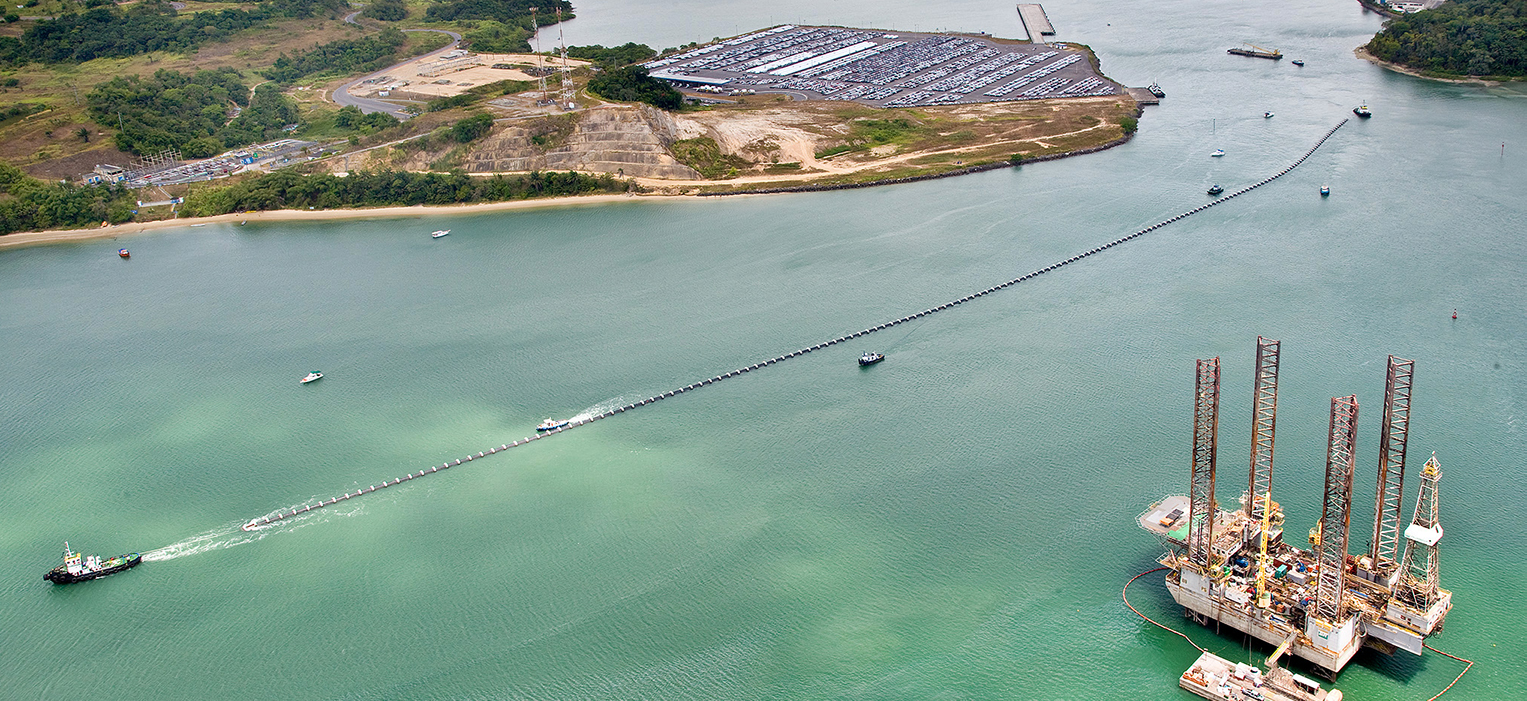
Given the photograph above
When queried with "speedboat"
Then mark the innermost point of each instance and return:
(1362, 111)
(551, 425)
(313, 376)
(123, 253)
(1266, 115)
(1325, 190)
(442, 232)
(1217, 153)
(1297, 62)
(871, 358)
(1215, 189)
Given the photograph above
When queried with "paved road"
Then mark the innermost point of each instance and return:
(342, 95)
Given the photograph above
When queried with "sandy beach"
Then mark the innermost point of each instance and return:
(38, 238)
(1362, 53)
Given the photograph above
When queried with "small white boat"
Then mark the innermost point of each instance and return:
(1325, 190)
(1218, 152)
(313, 376)
(442, 232)
(551, 425)
(1266, 115)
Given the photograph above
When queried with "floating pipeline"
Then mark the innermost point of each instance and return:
(266, 520)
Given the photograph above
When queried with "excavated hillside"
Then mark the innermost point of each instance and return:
(617, 139)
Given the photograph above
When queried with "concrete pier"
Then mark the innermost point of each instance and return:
(267, 520)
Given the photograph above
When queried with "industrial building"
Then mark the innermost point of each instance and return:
(1235, 568)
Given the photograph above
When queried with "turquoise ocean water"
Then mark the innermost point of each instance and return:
(953, 523)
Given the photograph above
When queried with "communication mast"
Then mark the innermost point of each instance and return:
(1384, 548)
(565, 97)
(541, 60)
(1336, 512)
(1201, 485)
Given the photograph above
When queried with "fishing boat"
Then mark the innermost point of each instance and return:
(313, 376)
(1362, 111)
(1156, 90)
(123, 253)
(1215, 189)
(551, 425)
(442, 232)
(1297, 62)
(1217, 153)
(1325, 190)
(871, 358)
(80, 568)
(1266, 115)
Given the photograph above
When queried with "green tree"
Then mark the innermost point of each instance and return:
(386, 10)
(472, 128)
(632, 84)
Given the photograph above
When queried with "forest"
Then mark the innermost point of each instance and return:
(288, 190)
(346, 56)
(632, 84)
(615, 56)
(1459, 38)
(150, 25)
(189, 112)
(33, 205)
(506, 11)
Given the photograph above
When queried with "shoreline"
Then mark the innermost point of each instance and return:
(1363, 54)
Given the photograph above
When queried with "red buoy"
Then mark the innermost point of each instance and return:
(1455, 313)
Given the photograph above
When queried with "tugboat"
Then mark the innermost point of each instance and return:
(442, 232)
(79, 568)
(1215, 189)
(313, 376)
(1362, 111)
(551, 425)
(1325, 190)
(871, 358)
(1156, 90)
(123, 253)
(1217, 153)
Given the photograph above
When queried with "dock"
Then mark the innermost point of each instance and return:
(1143, 96)
(1035, 22)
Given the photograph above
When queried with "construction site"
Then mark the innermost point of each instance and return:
(1310, 599)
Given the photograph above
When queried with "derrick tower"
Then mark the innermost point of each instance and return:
(1264, 420)
(1336, 511)
(1384, 546)
(1418, 587)
(1201, 484)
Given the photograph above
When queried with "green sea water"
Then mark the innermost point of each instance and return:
(955, 522)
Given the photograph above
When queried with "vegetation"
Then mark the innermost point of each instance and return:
(1461, 37)
(472, 128)
(1129, 124)
(28, 204)
(350, 117)
(613, 57)
(632, 84)
(506, 11)
(150, 25)
(345, 56)
(386, 10)
(494, 37)
(188, 111)
(285, 189)
(705, 156)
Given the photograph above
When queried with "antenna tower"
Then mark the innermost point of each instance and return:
(1264, 421)
(540, 60)
(1384, 548)
(1418, 584)
(1201, 485)
(1336, 512)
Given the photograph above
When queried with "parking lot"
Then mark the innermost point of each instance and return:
(885, 68)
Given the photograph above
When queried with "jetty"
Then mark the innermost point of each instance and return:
(268, 519)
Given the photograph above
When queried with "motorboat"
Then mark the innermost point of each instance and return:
(1215, 189)
(551, 425)
(1325, 190)
(1217, 153)
(440, 233)
(1362, 111)
(313, 376)
(1156, 90)
(1297, 62)
(123, 253)
(871, 358)
(1266, 115)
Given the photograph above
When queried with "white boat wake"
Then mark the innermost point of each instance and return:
(230, 535)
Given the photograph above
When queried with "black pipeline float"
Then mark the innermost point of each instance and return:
(267, 520)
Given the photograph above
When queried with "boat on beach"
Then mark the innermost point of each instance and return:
(80, 568)
(551, 425)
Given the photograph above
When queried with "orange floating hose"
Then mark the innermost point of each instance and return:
(1460, 674)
